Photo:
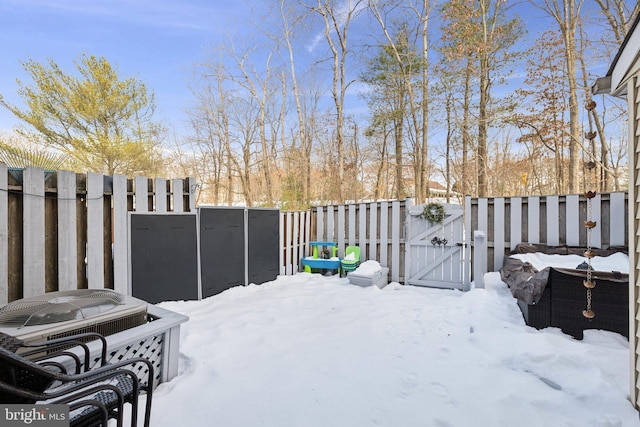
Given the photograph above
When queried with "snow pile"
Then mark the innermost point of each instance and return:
(614, 262)
(368, 268)
(309, 350)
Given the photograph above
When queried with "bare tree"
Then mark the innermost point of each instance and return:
(497, 35)
(257, 83)
(567, 15)
(305, 98)
(209, 141)
(542, 119)
(422, 10)
(619, 16)
(337, 20)
(414, 20)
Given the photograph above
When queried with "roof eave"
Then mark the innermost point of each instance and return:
(614, 81)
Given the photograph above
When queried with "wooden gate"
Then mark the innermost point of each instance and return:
(435, 253)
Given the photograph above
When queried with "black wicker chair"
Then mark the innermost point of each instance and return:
(37, 375)
(57, 347)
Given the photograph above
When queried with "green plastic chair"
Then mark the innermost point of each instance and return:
(350, 263)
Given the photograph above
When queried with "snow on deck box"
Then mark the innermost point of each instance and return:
(364, 276)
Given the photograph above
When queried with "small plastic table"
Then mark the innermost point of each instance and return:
(314, 262)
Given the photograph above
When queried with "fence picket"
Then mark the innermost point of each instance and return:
(352, 227)
(395, 241)
(515, 222)
(307, 234)
(596, 232)
(483, 214)
(498, 231)
(288, 244)
(329, 225)
(191, 189)
(320, 225)
(468, 249)
(142, 194)
(572, 220)
(533, 219)
(409, 248)
(67, 232)
(95, 242)
(161, 195)
(553, 220)
(341, 229)
(362, 231)
(384, 234)
(373, 231)
(178, 203)
(284, 249)
(120, 233)
(33, 231)
(616, 210)
(296, 246)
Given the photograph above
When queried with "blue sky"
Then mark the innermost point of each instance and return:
(156, 41)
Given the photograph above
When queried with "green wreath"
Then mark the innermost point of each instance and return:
(434, 213)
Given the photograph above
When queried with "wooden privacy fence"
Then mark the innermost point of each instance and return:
(378, 228)
(550, 220)
(63, 231)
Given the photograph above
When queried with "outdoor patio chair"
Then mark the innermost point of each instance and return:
(94, 395)
(43, 350)
(351, 259)
(90, 406)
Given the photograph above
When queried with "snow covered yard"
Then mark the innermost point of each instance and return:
(310, 350)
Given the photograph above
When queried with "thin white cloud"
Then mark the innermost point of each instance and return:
(191, 15)
(315, 42)
(342, 13)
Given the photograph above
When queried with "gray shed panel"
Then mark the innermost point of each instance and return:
(164, 257)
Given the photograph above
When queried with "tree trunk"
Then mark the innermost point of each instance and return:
(567, 19)
(466, 143)
(424, 158)
(574, 118)
(398, 132)
(482, 127)
(448, 147)
(266, 159)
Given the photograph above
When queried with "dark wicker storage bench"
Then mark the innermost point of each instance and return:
(564, 298)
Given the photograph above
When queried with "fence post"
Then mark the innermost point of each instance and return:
(467, 241)
(407, 242)
(4, 234)
(479, 258)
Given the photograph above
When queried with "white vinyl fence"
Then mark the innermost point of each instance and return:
(378, 228)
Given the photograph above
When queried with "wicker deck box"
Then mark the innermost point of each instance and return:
(564, 298)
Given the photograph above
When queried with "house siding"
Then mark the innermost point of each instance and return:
(633, 100)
